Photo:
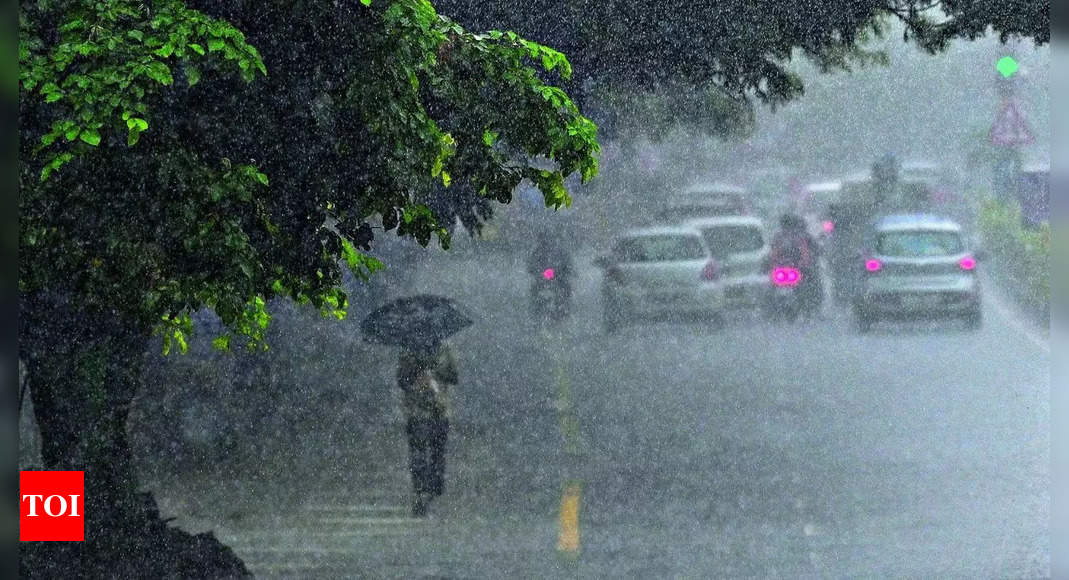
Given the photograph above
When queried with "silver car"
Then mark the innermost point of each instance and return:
(740, 246)
(918, 267)
(656, 271)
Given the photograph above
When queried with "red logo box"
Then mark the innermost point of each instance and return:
(51, 506)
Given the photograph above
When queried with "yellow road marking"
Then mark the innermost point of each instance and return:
(568, 540)
(568, 537)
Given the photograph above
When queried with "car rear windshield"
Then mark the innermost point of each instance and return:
(728, 240)
(660, 248)
(919, 244)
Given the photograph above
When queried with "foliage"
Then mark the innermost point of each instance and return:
(178, 155)
(742, 47)
(1023, 253)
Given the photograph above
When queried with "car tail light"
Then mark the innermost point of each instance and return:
(786, 276)
(829, 226)
(873, 265)
(711, 271)
(549, 274)
(967, 263)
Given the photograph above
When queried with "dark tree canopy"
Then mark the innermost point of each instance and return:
(740, 47)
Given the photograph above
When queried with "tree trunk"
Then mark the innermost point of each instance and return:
(84, 371)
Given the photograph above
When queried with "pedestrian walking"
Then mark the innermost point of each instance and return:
(425, 374)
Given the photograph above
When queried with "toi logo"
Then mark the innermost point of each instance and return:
(51, 506)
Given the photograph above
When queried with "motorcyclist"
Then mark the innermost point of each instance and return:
(550, 260)
(794, 246)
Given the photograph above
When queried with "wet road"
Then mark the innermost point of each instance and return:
(753, 451)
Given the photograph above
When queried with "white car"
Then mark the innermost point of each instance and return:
(740, 245)
(918, 267)
(656, 271)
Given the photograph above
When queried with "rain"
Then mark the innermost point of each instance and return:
(394, 289)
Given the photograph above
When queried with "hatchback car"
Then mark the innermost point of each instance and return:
(658, 271)
(739, 244)
(918, 267)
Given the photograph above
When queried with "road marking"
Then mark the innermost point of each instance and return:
(568, 541)
(356, 508)
(568, 536)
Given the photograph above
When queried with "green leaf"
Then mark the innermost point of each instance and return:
(366, 2)
(192, 74)
(165, 50)
(72, 133)
(215, 44)
(196, 48)
(137, 124)
(136, 35)
(262, 178)
(91, 136)
(222, 343)
(159, 72)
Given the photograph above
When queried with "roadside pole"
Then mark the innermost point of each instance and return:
(1010, 131)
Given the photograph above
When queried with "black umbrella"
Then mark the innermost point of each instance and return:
(415, 320)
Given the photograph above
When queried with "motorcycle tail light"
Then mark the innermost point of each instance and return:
(829, 226)
(967, 263)
(873, 265)
(549, 273)
(786, 276)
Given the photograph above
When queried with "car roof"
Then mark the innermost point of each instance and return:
(903, 222)
(727, 220)
(660, 231)
(718, 187)
(824, 186)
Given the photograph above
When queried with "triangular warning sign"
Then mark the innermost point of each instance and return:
(1010, 129)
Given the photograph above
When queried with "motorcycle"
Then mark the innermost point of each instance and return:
(785, 295)
(550, 295)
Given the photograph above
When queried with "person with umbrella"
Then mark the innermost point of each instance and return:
(426, 372)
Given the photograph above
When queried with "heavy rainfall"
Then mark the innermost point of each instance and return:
(350, 291)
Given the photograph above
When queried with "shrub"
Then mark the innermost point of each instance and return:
(1023, 253)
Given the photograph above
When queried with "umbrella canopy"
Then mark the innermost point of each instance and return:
(416, 320)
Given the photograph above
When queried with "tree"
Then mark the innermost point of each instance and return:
(181, 155)
(737, 50)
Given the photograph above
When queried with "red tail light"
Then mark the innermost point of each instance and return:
(967, 263)
(711, 271)
(829, 226)
(549, 273)
(873, 265)
(786, 276)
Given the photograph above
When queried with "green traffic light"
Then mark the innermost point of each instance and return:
(1007, 66)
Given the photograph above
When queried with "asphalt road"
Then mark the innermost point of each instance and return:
(757, 450)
